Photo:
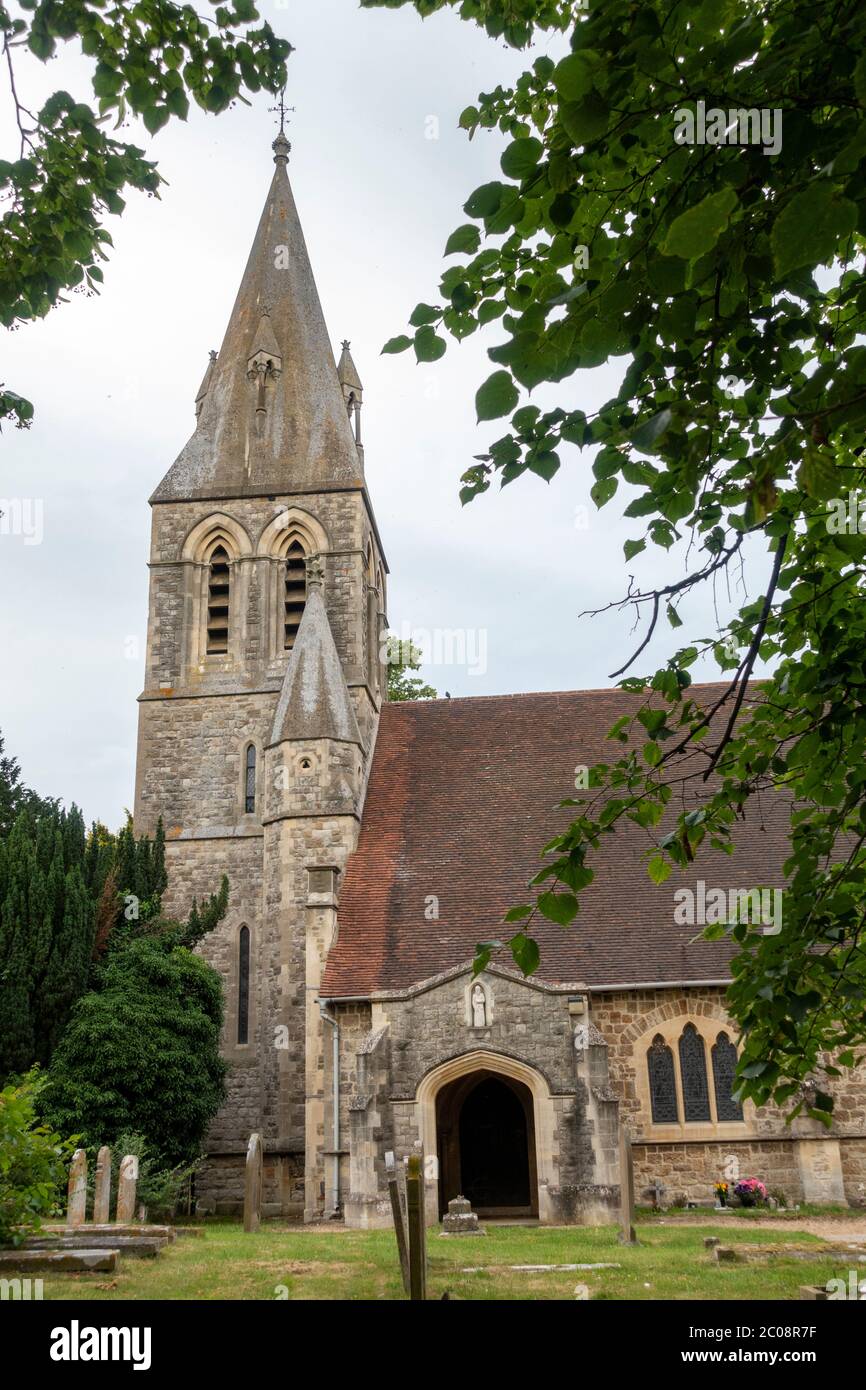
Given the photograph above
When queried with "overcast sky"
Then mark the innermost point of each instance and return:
(114, 377)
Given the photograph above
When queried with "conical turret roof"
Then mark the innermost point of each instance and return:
(315, 701)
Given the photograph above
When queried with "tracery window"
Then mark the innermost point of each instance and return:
(693, 1070)
(724, 1068)
(663, 1086)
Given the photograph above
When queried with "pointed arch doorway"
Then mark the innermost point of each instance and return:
(485, 1128)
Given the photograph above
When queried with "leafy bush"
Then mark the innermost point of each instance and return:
(161, 1190)
(141, 1055)
(32, 1162)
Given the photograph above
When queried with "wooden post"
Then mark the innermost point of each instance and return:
(417, 1228)
(397, 1191)
(626, 1187)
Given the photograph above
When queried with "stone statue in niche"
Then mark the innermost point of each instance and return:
(479, 1007)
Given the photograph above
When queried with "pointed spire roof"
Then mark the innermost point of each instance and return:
(315, 701)
(303, 439)
(347, 371)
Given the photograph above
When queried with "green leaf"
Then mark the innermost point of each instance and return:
(465, 240)
(632, 548)
(812, 227)
(399, 344)
(525, 953)
(429, 347)
(486, 199)
(521, 157)
(584, 120)
(561, 908)
(516, 914)
(424, 313)
(646, 436)
(659, 869)
(573, 77)
(696, 231)
(496, 397)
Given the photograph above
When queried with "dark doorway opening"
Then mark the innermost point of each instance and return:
(486, 1141)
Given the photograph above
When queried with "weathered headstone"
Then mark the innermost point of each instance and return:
(710, 1242)
(76, 1206)
(726, 1255)
(657, 1192)
(460, 1219)
(102, 1189)
(253, 1184)
(417, 1228)
(626, 1188)
(126, 1186)
(397, 1192)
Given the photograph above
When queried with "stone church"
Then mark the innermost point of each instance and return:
(370, 846)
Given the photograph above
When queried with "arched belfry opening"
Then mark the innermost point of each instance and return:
(485, 1128)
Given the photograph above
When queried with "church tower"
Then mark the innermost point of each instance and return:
(262, 692)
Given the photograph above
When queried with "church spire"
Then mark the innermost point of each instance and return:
(272, 417)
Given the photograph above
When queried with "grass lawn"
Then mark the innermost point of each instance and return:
(320, 1263)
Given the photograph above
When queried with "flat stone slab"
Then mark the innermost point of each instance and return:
(112, 1228)
(136, 1247)
(535, 1269)
(59, 1261)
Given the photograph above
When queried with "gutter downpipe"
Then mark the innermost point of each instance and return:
(336, 1207)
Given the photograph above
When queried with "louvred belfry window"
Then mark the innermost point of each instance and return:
(693, 1069)
(663, 1086)
(218, 602)
(724, 1068)
(296, 592)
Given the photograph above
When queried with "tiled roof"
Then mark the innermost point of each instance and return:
(462, 797)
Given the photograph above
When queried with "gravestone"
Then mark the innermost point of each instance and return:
(626, 1188)
(657, 1192)
(76, 1206)
(102, 1189)
(126, 1186)
(253, 1184)
(460, 1220)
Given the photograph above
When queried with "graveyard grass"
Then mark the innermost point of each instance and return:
(669, 1263)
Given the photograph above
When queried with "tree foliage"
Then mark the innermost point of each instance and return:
(32, 1162)
(141, 1053)
(149, 59)
(723, 276)
(404, 657)
(67, 898)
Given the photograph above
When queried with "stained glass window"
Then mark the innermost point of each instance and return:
(724, 1065)
(693, 1069)
(663, 1088)
(250, 781)
(244, 985)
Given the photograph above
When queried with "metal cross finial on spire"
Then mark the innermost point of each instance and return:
(281, 146)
